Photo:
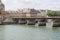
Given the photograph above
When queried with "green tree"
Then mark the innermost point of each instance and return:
(53, 13)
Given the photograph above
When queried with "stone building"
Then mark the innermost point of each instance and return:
(2, 7)
(43, 13)
(34, 13)
(2, 11)
(30, 12)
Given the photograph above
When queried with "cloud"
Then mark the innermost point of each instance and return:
(42, 4)
(4, 0)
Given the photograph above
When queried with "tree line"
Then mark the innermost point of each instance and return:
(53, 13)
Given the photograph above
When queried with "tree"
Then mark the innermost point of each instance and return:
(53, 13)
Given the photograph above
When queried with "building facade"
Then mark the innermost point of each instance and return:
(43, 13)
(2, 7)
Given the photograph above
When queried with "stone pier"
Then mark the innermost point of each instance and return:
(8, 21)
(40, 22)
(0, 21)
(30, 22)
(22, 21)
(37, 22)
(49, 23)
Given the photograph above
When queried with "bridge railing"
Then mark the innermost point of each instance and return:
(24, 15)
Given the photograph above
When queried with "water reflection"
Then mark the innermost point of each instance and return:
(24, 32)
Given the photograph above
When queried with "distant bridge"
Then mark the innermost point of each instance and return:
(37, 17)
(29, 16)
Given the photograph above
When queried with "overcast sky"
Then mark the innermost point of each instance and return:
(37, 4)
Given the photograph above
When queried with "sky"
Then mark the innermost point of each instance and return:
(36, 4)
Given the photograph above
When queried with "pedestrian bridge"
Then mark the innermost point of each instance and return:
(25, 16)
(36, 17)
(20, 18)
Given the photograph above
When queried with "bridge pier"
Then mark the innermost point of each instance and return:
(0, 21)
(56, 23)
(22, 21)
(37, 23)
(8, 21)
(40, 22)
(49, 23)
(30, 22)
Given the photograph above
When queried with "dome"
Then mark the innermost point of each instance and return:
(1, 5)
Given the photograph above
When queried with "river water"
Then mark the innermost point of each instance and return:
(31, 32)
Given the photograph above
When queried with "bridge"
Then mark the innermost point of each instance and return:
(25, 16)
(29, 19)
(35, 17)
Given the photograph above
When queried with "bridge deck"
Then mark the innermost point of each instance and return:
(25, 17)
(28, 16)
(39, 17)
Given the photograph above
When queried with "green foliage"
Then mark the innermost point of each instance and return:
(53, 13)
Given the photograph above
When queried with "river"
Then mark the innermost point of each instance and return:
(25, 32)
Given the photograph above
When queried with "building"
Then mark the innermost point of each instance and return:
(2, 10)
(43, 13)
(30, 12)
(34, 13)
(2, 7)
